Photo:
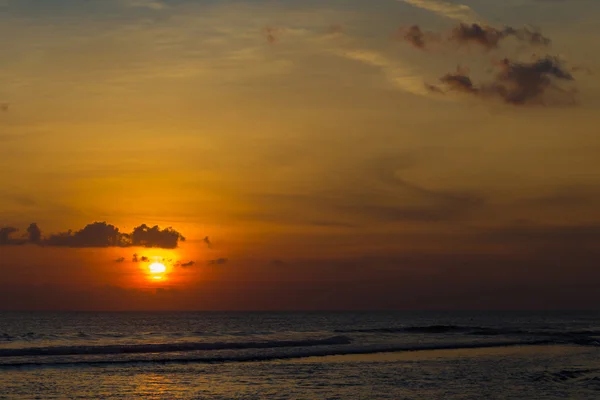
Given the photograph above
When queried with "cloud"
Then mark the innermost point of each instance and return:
(151, 4)
(419, 38)
(218, 261)
(533, 37)
(144, 236)
(490, 37)
(120, 260)
(449, 10)
(187, 264)
(485, 36)
(137, 258)
(434, 89)
(35, 233)
(207, 241)
(6, 238)
(401, 76)
(271, 34)
(459, 81)
(518, 83)
(97, 234)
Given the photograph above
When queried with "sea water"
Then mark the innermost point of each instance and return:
(300, 355)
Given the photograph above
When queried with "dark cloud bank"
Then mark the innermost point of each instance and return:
(97, 234)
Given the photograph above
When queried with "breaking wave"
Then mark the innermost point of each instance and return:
(168, 347)
(282, 355)
(474, 330)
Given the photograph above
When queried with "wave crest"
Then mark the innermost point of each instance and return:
(168, 347)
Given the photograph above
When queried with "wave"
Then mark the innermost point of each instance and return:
(168, 347)
(348, 350)
(471, 330)
(411, 329)
(34, 337)
(568, 374)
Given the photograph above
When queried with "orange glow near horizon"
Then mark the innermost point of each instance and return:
(156, 266)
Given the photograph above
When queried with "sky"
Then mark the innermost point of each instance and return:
(299, 155)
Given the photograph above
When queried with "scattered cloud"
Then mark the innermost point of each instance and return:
(518, 83)
(272, 34)
(137, 258)
(490, 37)
(485, 36)
(187, 264)
(7, 239)
(151, 4)
(207, 241)
(459, 12)
(459, 81)
(35, 233)
(218, 261)
(419, 38)
(120, 260)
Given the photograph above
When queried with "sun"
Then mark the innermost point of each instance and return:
(157, 268)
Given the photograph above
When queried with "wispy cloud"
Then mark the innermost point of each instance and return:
(458, 12)
(401, 76)
(151, 4)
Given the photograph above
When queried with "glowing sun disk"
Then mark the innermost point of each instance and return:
(157, 268)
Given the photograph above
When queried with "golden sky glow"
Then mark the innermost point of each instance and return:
(309, 142)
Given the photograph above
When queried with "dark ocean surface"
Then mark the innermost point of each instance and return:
(314, 355)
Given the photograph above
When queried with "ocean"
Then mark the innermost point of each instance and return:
(300, 355)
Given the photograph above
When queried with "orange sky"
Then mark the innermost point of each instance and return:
(312, 143)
